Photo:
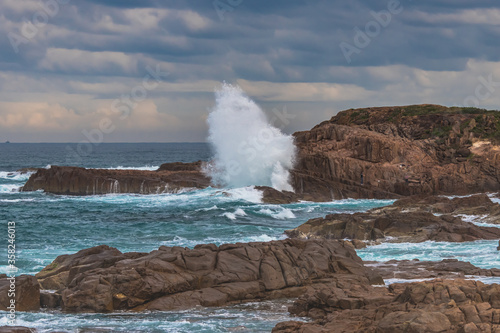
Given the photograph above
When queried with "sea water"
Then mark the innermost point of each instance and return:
(50, 225)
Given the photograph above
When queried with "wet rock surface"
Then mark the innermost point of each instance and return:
(407, 220)
(102, 279)
(169, 178)
(432, 306)
(26, 293)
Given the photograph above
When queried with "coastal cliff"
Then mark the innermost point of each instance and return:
(390, 152)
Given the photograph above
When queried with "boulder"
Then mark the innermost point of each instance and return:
(102, 279)
(27, 293)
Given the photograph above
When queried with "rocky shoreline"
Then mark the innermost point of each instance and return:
(414, 154)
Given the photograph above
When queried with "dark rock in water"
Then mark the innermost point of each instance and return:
(16, 329)
(80, 181)
(433, 306)
(50, 300)
(416, 269)
(400, 151)
(179, 166)
(407, 220)
(273, 196)
(27, 293)
(102, 279)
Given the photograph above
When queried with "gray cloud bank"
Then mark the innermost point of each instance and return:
(64, 64)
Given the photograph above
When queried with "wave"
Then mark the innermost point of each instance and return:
(481, 253)
(9, 188)
(279, 213)
(15, 175)
(233, 216)
(248, 149)
(184, 242)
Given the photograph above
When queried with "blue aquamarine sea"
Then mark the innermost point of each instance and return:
(49, 225)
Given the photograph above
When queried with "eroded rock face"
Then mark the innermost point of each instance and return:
(434, 306)
(392, 152)
(27, 293)
(407, 220)
(169, 178)
(102, 279)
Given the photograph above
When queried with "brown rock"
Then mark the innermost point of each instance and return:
(102, 279)
(16, 329)
(401, 151)
(27, 293)
(170, 178)
(435, 306)
(403, 226)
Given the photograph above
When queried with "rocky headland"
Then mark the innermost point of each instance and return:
(391, 152)
(387, 152)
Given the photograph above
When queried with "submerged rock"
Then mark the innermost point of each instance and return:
(102, 279)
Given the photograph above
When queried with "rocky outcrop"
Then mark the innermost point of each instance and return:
(407, 220)
(433, 306)
(169, 178)
(391, 152)
(102, 279)
(26, 293)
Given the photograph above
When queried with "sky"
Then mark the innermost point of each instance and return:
(146, 70)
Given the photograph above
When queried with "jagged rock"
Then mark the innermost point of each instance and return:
(102, 279)
(27, 293)
(170, 178)
(407, 220)
(273, 196)
(433, 306)
(400, 151)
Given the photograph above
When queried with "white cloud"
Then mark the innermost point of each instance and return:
(73, 60)
(486, 16)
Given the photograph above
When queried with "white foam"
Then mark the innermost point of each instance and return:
(279, 213)
(17, 200)
(250, 194)
(141, 168)
(9, 188)
(15, 175)
(248, 149)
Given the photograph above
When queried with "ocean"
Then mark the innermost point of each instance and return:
(49, 225)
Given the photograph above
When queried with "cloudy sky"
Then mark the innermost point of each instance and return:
(146, 70)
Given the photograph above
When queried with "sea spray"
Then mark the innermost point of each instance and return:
(248, 150)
